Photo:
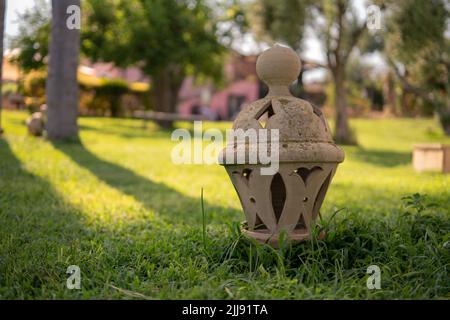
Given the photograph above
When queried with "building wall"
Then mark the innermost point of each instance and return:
(222, 103)
(247, 90)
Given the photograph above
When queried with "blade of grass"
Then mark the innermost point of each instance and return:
(203, 219)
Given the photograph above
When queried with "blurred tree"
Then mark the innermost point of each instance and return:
(2, 28)
(282, 21)
(340, 30)
(337, 26)
(167, 39)
(32, 38)
(62, 85)
(364, 88)
(417, 49)
(111, 91)
(33, 87)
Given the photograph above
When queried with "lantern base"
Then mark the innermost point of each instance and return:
(264, 236)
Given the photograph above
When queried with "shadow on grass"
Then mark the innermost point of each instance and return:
(20, 188)
(381, 158)
(34, 221)
(124, 131)
(41, 234)
(164, 200)
(129, 131)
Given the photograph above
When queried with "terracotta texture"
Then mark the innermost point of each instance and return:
(289, 200)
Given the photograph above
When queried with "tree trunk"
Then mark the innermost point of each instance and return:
(2, 29)
(114, 104)
(443, 112)
(407, 103)
(446, 127)
(342, 132)
(391, 95)
(165, 86)
(62, 85)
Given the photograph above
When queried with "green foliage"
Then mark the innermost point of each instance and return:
(33, 36)
(109, 93)
(339, 28)
(419, 25)
(116, 206)
(282, 21)
(364, 88)
(418, 202)
(9, 87)
(167, 39)
(33, 88)
(418, 50)
(115, 87)
(34, 83)
(154, 34)
(97, 39)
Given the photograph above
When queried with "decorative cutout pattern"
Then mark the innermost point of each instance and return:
(321, 195)
(278, 193)
(305, 172)
(301, 224)
(296, 195)
(265, 114)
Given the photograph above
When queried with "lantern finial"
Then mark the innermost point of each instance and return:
(278, 67)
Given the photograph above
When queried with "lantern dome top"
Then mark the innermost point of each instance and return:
(304, 134)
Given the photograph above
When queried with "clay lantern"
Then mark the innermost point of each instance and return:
(289, 199)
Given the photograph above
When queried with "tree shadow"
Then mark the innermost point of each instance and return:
(172, 205)
(381, 158)
(35, 218)
(41, 234)
(125, 131)
(129, 131)
(28, 190)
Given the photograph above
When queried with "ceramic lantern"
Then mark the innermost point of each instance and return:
(291, 198)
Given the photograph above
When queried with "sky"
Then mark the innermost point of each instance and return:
(13, 6)
(313, 50)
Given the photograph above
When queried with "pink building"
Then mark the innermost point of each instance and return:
(242, 87)
(109, 70)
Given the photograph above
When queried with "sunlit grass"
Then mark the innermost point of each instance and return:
(116, 206)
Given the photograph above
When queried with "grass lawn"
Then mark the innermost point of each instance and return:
(118, 208)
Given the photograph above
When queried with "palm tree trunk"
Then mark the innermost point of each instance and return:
(2, 29)
(62, 85)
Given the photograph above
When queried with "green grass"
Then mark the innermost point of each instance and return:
(117, 207)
